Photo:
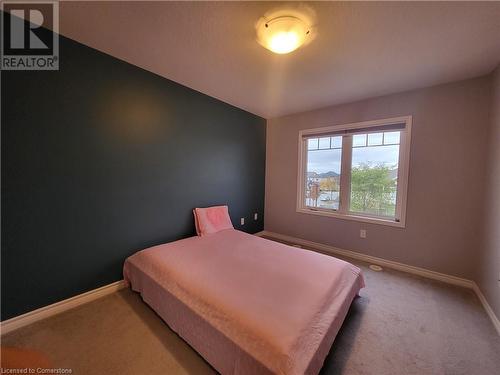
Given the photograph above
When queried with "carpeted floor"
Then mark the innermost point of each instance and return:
(401, 324)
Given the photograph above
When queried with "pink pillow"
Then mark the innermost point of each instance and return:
(196, 223)
(211, 220)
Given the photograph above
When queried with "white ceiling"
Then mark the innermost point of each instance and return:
(362, 49)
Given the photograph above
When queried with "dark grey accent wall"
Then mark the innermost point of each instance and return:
(101, 159)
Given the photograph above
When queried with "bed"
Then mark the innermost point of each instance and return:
(248, 305)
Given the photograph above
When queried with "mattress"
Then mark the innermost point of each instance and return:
(248, 305)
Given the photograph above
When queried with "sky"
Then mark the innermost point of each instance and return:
(322, 161)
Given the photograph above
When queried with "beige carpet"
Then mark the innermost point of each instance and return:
(402, 324)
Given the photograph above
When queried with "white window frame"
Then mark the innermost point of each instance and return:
(345, 177)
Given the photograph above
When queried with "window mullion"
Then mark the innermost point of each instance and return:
(345, 174)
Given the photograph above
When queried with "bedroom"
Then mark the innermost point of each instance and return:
(314, 185)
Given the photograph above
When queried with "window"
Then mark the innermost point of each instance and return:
(356, 171)
(323, 172)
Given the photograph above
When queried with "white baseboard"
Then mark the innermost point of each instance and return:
(487, 307)
(390, 264)
(58, 307)
(371, 259)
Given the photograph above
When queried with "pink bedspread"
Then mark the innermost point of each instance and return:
(246, 304)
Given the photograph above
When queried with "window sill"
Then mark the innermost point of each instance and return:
(352, 217)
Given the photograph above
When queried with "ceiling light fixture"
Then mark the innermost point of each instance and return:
(283, 34)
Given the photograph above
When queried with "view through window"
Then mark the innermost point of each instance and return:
(323, 172)
(374, 173)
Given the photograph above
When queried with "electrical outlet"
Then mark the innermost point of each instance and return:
(362, 233)
(242, 221)
(255, 216)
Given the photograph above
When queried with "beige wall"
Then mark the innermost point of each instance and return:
(446, 182)
(488, 274)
